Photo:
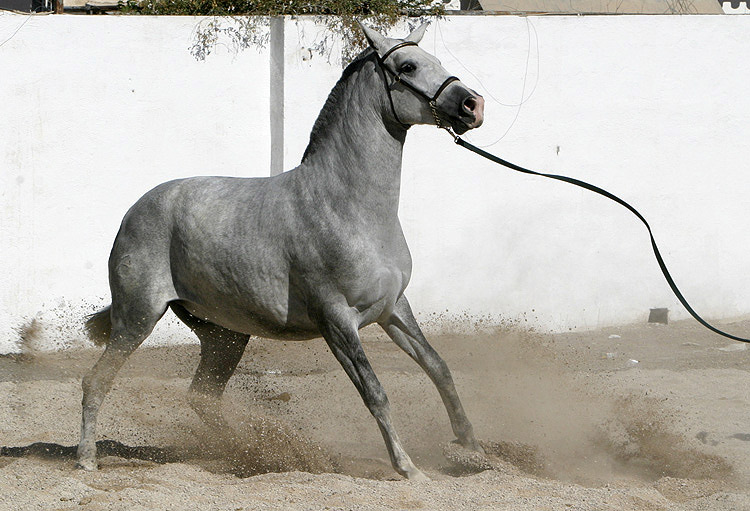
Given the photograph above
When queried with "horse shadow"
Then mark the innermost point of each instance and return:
(52, 451)
(367, 468)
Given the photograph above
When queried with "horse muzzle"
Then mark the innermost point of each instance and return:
(472, 110)
(468, 110)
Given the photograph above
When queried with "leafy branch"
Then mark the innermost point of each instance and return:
(245, 22)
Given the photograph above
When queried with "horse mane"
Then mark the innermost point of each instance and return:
(331, 107)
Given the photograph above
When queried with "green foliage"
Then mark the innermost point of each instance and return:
(244, 23)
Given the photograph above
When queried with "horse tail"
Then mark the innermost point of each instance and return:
(99, 326)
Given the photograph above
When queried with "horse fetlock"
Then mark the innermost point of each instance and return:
(414, 474)
(208, 408)
(402, 463)
(202, 402)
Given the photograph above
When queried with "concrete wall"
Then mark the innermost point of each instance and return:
(97, 110)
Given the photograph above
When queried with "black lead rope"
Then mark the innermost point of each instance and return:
(577, 182)
(618, 200)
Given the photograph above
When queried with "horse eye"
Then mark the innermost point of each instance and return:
(408, 68)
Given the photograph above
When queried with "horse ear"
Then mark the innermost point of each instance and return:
(373, 37)
(417, 33)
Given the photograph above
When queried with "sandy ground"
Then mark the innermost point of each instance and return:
(570, 422)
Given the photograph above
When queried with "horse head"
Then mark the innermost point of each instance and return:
(420, 90)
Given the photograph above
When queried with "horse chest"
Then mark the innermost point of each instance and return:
(367, 270)
(372, 277)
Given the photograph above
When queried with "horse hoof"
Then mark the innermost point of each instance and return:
(87, 465)
(416, 475)
(471, 445)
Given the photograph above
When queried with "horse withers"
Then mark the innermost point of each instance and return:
(315, 251)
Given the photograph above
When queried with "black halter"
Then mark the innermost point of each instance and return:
(431, 100)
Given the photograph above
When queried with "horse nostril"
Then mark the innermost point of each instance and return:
(470, 104)
(474, 106)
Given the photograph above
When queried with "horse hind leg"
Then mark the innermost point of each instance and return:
(130, 325)
(221, 351)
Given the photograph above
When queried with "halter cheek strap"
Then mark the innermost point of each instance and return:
(431, 100)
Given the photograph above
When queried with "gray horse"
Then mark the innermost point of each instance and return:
(316, 251)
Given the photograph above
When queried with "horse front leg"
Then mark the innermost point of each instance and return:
(339, 329)
(403, 329)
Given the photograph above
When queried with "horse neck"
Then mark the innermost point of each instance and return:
(353, 156)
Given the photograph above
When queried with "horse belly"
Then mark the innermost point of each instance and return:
(246, 295)
(252, 323)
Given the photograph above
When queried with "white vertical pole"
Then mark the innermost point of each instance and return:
(277, 95)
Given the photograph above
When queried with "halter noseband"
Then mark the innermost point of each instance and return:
(432, 101)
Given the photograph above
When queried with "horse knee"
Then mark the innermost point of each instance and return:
(86, 385)
(377, 403)
(438, 369)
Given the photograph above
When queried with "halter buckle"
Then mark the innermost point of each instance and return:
(396, 81)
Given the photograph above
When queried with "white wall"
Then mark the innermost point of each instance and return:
(96, 110)
(651, 108)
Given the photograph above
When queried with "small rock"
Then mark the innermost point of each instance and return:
(734, 347)
(284, 396)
